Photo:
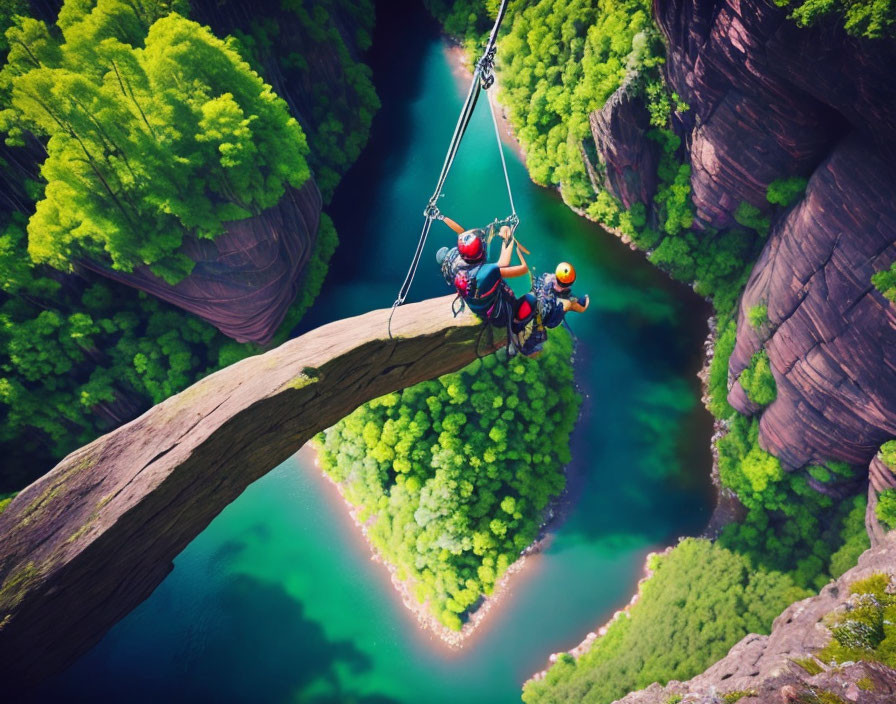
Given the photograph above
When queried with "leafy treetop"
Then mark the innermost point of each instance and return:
(154, 134)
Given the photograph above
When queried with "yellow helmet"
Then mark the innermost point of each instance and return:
(566, 275)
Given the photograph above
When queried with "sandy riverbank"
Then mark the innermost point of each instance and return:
(403, 589)
(460, 69)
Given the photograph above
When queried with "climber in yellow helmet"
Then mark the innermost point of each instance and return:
(553, 300)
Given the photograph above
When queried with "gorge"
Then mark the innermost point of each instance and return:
(746, 148)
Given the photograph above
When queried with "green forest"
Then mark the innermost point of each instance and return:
(128, 128)
(453, 476)
(553, 70)
(701, 598)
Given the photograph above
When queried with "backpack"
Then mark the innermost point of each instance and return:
(550, 309)
(479, 286)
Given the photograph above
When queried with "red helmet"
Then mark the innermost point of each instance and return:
(471, 246)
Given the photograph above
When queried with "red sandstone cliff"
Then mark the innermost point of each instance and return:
(770, 100)
(245, 279)
(762, 669)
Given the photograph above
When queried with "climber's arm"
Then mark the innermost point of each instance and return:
(508, 272)
(574, 305)
(506, 248)
(453, 225)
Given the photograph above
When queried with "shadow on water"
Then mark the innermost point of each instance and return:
(290, 659)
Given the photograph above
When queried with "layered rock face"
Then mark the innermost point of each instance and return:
(629, 158)
(246, 278)
(91, 539)
(763, 667)
(830, 335)
(770, 100)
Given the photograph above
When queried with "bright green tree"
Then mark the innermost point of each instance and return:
(151, 136)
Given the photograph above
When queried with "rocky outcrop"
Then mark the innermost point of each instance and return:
(629, 159)
(771, 100)
(763, 667)
(830, 335)
(86, 543)
(245, 279)
(768, 99)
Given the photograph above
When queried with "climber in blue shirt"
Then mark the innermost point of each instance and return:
(480, 284)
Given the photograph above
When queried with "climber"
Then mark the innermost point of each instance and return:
(480, 284)
(553, 301)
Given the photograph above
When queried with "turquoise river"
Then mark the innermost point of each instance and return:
(278, 600)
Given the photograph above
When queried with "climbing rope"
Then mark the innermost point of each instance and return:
(491, 106)
(483, 78)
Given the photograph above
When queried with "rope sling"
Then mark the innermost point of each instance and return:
(483, 79)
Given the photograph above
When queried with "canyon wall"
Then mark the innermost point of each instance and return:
(769, 100)
(246, 278)
(762, 668)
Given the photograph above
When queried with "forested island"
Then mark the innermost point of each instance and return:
(455, 475)
(146, 144)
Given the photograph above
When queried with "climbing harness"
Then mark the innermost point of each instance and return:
(483, 79)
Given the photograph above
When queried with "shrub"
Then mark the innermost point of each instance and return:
(785, 191)
(886, 508)
(758, 381)
(865, 628)
(757, 315)
(885, 282)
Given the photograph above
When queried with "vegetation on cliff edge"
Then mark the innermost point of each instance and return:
(872, 19)
(454, 475)
(154, 133)
(702, 598)
(865, 628)
(82, 354)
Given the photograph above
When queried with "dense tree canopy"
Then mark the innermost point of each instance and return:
(156, 101)
(335, 106)
(454, 474)
(873, 19)
(152, 136)
(560, 61)
(701, 599)
(790, 526)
